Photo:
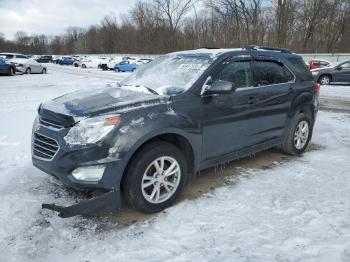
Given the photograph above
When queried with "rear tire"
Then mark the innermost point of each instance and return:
(28, 71)
(155, 177)
(44, 71)
(298, 136)
(83, 66)
(324, 80)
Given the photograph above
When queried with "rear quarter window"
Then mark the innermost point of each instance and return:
(300, 68)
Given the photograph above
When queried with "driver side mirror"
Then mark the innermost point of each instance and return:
(339, 68)
(217, 87)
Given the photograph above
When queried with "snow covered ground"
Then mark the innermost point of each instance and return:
(342, 91)
(297, 209)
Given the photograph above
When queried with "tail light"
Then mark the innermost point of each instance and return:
(317, 88)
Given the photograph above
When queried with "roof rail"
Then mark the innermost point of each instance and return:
(256, 47)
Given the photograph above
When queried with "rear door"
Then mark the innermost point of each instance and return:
(274, 82)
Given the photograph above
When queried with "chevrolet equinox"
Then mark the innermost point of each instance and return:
(183, 112)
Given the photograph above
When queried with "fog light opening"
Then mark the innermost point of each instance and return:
(89, 173)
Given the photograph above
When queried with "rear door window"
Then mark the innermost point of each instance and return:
(267, 72)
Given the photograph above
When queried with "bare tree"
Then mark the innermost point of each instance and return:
(174, 11)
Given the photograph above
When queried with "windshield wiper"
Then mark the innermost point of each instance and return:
(148, 88)
(151, 90)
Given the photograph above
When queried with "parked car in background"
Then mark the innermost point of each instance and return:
(93, 62)
(6, 68)
(56, 59)
(11, 56)
(109, 65)
(125, 66)
(24, 64)
(44, 59)
(67, 61)
(339, 73)
(181, 113)
(318, 63)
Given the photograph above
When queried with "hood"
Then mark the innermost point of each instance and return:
(68, 108)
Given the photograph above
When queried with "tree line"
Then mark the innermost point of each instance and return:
(160, 26)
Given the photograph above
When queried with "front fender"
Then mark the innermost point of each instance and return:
(139, 128)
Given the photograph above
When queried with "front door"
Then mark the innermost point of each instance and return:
(229, 119)
(342, 73)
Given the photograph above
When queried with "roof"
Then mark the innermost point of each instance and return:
(215, 52)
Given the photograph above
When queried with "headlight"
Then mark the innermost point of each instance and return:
(91, 130)
(315, 73)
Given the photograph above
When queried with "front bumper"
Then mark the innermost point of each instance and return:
(68, 158)
(106, 203)
(20, 69)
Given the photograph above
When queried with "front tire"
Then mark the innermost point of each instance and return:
(44, 71)
(28, 71)
(155, 177)
(298, 136)
(11, 72)
(83, 66)
(324, 80)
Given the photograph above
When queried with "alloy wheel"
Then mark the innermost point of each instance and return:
(161, 180)
(325, 80)
(301, 135)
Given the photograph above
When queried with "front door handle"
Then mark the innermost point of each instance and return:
(251, 100)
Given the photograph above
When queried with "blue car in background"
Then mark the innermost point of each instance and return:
(67, 61)
(6, 69)
(125, 66)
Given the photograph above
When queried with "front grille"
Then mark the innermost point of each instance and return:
(48, 122)
(44, 147)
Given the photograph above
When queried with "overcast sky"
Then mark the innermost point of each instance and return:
(53, 16)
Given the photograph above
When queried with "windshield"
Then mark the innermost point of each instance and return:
(170, 74)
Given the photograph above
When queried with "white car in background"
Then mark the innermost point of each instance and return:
(93, 62)
(24, 64)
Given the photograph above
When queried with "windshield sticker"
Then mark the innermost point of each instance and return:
(190, 66)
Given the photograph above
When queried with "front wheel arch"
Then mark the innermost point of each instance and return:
(172, 138)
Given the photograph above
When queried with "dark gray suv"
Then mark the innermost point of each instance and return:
(181, 113)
